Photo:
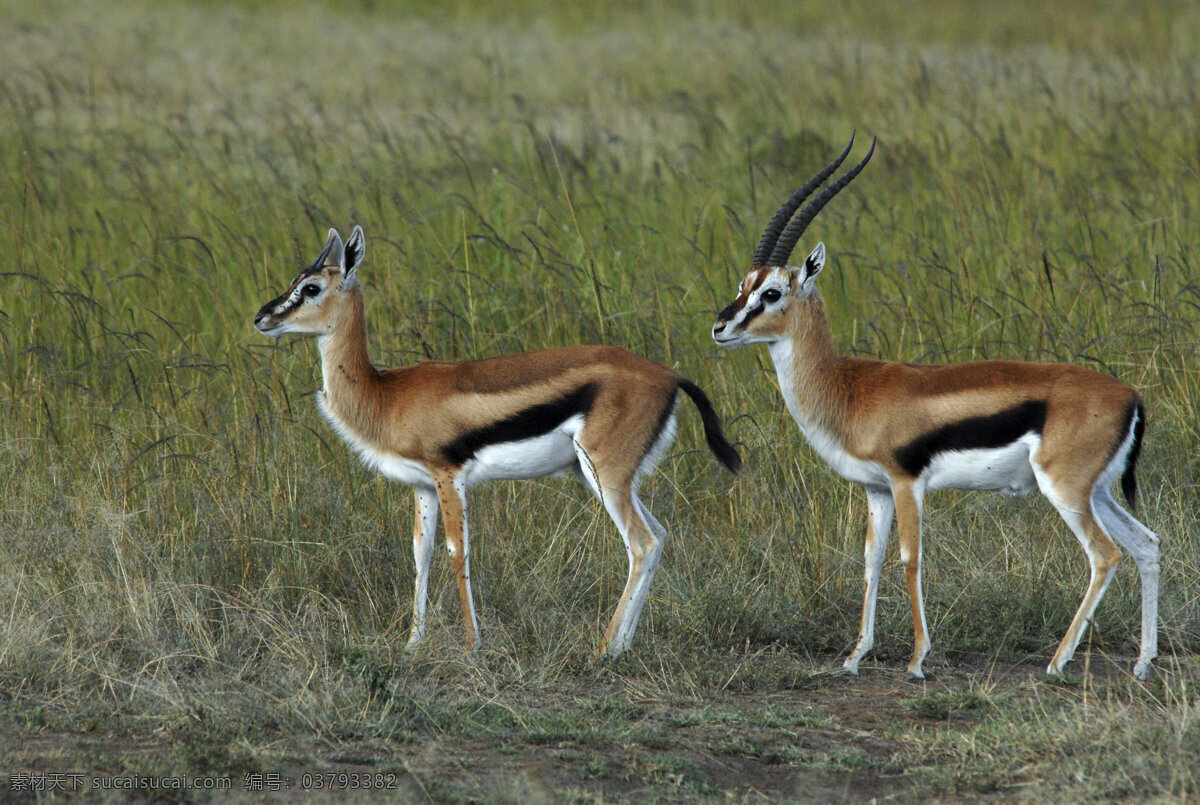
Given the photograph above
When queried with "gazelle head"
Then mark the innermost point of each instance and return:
(771, 288)
(315, 300)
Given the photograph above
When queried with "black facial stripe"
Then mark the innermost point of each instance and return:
(269, 308)
(727, 313)
(753, 313)
(533, 421)
(979, 432)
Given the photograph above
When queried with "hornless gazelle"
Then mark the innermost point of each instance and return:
(441, 427)
(901, 430)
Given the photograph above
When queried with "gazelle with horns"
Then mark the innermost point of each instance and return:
(901, 430)
(604, 413)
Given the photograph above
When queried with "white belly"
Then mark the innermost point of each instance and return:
(551, 453)
(996, 469)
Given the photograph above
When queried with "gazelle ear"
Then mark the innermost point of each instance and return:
(352, 255)
(333, 249)
(814, 262)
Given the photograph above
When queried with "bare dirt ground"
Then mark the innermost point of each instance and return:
(834, 739)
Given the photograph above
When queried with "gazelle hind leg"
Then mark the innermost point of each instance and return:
(881, 509)
(656, 527)
(648, 537)
(424, 530)
(644, 530)
(643, 548)
(1102, 555)
(1143, 545)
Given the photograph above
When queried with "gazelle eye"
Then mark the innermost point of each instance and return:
(771, 295)
(310, 290)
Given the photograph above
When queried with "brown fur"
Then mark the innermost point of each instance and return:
(412, 412)
(874, 406)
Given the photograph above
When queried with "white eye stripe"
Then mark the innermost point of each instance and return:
(298, 295)
(770, 287)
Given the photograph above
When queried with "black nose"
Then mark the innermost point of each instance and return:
(719, 327)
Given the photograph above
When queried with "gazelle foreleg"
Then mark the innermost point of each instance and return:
(1143, 546)
(880, 508)
(451, 493)
(908, 497)
(424, 530)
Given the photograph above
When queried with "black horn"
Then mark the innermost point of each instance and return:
(787, 241)
(785, 212)
(320, 261)
(317, 263)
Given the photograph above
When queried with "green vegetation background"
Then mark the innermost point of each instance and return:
(181, 533)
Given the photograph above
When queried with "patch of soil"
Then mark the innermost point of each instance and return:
(836, 742)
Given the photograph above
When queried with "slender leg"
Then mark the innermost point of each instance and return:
(424, 529)
(643, 548)
(647, 537)
(881, 508)
(908, 498)
(451, 493)
(1143, 546)
(1102, 555)
(658, 528)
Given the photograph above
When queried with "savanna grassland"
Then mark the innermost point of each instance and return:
(198, 580)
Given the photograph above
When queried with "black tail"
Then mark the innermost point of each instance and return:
(1129, 478)
(717, 443)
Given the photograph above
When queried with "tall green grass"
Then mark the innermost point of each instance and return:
(178, 521)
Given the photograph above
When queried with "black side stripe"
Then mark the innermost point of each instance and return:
(979, 432)
(533, 421)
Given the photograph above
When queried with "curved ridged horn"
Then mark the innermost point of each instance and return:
(785, 212)
(787, 241)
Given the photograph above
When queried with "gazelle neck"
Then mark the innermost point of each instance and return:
(348, 374)
(808, 368)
